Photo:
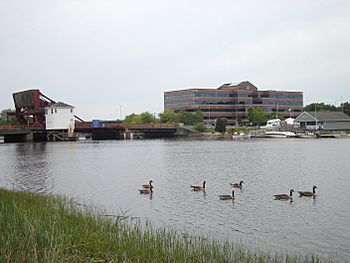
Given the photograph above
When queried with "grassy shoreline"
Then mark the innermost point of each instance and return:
(37, 228)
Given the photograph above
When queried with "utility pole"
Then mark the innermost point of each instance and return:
(120, 112)
(209, 115)
(341, 104)
(315, 118)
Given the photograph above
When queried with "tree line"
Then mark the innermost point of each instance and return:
(167, 116)
(7, 120)
(196, 119)
(256, 116)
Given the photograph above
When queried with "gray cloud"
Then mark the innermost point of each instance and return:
(98, 55)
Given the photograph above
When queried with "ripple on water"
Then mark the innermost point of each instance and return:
(110, 174)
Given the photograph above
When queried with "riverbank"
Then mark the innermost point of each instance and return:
(37, 228)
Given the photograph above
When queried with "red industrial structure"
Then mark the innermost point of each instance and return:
(30, 108)
(30, 112)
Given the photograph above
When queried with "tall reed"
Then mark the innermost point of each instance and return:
(36, 228)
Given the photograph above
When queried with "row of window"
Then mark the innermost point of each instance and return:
(198, 102)
(281, 110)
(283, 103)
(281, 96)
(220, 110)
(225, 95)
(55, 110)
(241, 110)
(216, 95)
(186, 103)
(266, 103)
(52, 111)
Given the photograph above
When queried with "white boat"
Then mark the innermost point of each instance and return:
(290, 121)
(279, 134)
(241, 135)
(272, 124)
(305, 135)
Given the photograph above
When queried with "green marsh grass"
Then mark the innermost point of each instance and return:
(37, 228)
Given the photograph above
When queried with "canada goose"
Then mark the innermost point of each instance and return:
(284, 196)
(227, 197)
(198, 187)
(308, 193)
(146, 190)
(237, 185)
(147, 186)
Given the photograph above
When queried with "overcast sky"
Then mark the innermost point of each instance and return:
(105, 55)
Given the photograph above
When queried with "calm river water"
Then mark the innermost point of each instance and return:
(109, 174)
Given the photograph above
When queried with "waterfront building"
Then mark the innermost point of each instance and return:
(232, 101)
(59, 116)
(319, 120)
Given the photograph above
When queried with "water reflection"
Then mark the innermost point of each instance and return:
(109, 174)
(31, 168)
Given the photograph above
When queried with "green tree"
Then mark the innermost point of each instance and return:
(131, 119)
(200, 127)
(220, 124)
(143, 118)
(198, 117)
(189, 118)
(274, 116)
(321, 107)
(168, 116)
(186, 117)
(147, 117)
(257, 116)
(4, 119)
(345, 107)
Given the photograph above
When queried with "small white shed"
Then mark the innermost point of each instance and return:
(59, 116)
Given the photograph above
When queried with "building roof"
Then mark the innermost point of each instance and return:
(60, 105)
(244, 85)
(322, 116)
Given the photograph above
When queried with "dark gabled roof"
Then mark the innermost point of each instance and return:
(323, 116)
(60, 105)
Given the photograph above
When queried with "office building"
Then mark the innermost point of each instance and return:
(232, 101)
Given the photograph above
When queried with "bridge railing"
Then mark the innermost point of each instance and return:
(21, 126)
(88, 125)
(152, 126)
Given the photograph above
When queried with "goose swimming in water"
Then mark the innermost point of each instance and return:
(308, 193)
(237, 185)
(147, 186)
(227, 197)
(284, 196)
(198, 187)
(146, 190)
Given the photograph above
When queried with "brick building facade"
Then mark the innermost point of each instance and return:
(233, 101)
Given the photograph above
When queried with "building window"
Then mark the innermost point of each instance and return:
(46, 111)
(55, 110)
(51, 111)
(71, 110)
